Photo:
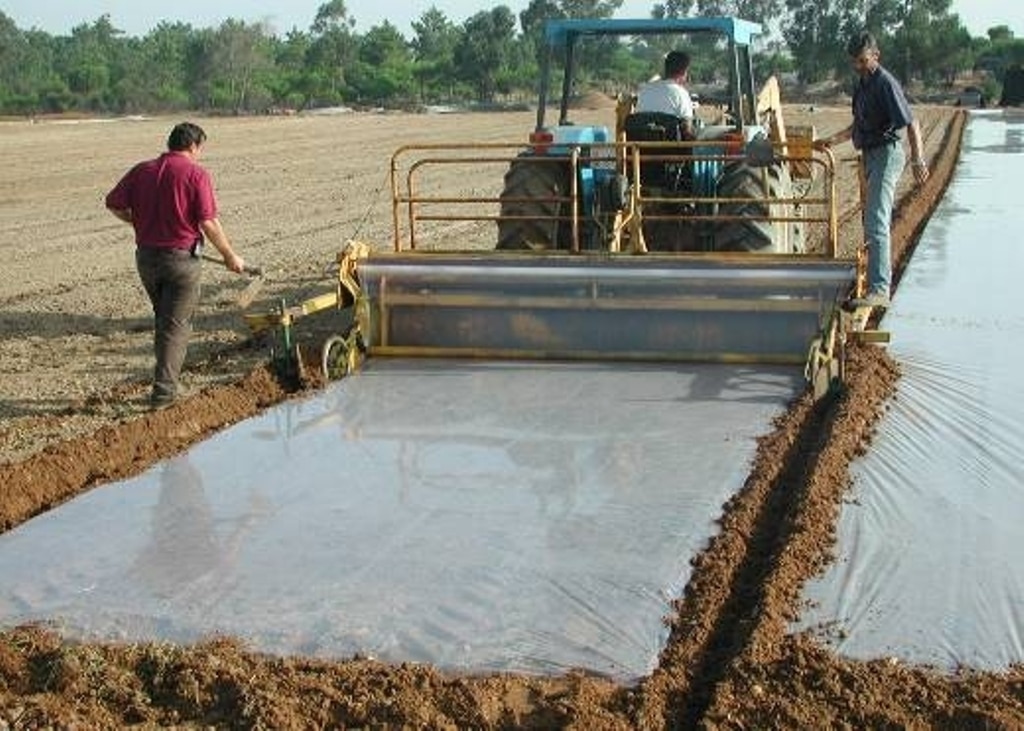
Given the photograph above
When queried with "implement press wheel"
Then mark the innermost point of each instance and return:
(339, 356)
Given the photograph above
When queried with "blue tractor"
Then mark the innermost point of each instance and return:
(580, 187)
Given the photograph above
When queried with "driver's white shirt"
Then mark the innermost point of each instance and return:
(666, 96)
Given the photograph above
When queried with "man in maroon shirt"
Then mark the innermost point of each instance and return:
(170, 203)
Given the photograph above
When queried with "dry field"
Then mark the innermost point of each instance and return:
(74, 321)
(75, 347)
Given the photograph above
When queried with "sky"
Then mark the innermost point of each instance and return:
(137, 17)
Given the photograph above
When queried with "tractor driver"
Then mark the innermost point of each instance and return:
(668, 94)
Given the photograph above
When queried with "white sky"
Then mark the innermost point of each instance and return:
(137, 17)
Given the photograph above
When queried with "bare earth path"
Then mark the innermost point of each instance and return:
(75, 349)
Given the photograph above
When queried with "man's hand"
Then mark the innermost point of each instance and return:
(214, 232)
(234, 262)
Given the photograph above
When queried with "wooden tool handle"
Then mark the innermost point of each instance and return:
(250, 270)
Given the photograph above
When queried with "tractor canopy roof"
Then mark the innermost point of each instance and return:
(562, 31)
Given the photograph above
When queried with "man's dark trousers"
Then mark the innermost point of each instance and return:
(171, 278)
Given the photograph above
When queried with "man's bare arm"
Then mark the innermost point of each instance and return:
(917, 162)
(214, 233)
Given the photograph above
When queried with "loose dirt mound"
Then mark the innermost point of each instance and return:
(593, 100)
(729, 661)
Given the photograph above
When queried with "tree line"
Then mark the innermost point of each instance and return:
(242, 67)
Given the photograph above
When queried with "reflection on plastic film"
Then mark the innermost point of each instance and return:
(477, 516)
(189, 559)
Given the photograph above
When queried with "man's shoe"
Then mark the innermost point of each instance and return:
(157, 402)
(874, 300)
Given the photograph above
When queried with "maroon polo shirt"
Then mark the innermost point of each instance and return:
(168, 197)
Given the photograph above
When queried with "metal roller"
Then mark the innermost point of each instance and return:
(703, 308)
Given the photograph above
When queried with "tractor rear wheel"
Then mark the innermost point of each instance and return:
(529, 206)
(746, 181)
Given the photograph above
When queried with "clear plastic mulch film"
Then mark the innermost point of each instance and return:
(478, 516)
(929, 567)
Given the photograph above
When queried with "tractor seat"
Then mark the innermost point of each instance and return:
(658, 127)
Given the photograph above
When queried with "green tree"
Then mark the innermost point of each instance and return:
(759, 11)
(44, 87)
(384, 70)
(241, 59)
(673, 9)
(532, 21)
(332, 16)
(434, 54)
(86, 60)
(485, 51)
(245, 67)
(816, 33)
(594, 57)
(997, 53)
(293, 84)
(199, 69)
(334, 49)
(925, 40)
(152, 74)
(13, 49)
(588, 8)
(882, 17)
(25, 69)
(226, 67)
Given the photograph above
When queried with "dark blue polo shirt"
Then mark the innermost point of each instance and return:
(880, 110)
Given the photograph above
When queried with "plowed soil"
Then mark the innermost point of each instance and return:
(76, 358)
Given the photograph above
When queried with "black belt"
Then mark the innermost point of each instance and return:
(883, 143)
(170, 250)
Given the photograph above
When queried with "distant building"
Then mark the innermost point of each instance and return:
(1013, 87)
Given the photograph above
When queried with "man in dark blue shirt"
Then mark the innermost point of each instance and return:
(880, 116)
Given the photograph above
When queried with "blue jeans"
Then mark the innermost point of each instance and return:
(883, 166)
